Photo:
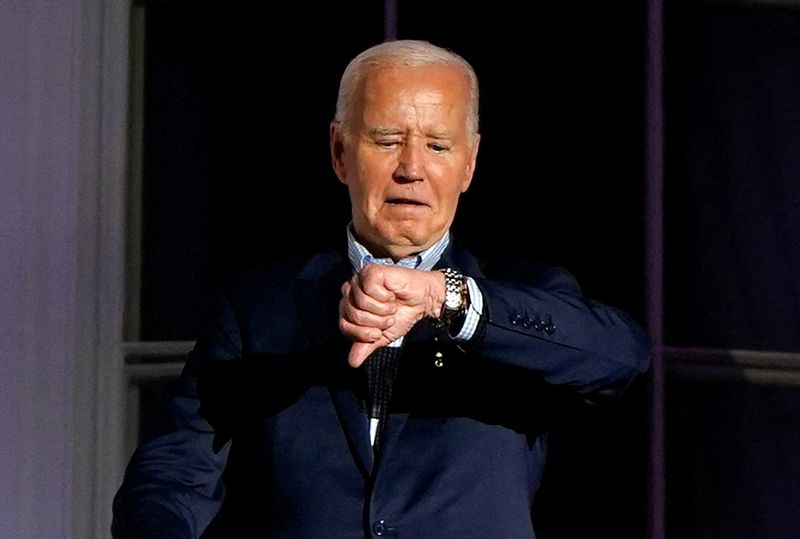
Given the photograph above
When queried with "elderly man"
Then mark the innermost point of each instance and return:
(399, 387)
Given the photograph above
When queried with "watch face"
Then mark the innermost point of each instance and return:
(452, 302)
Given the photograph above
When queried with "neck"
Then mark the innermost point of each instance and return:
(395, 252)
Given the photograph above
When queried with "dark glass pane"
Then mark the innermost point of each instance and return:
(560, 178)
(238, 100)
(732, 466)
(560, 170)
(154, 397)
(732, 175)
(595, 483)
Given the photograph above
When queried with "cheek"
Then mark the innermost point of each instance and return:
(377, 168)
(373, 176)
(452, 184)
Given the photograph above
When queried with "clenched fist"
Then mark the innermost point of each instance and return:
(381, 303)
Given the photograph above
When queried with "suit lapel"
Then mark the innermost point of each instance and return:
(317, 297)
(355, 425)
(456, 257)
(317, 294)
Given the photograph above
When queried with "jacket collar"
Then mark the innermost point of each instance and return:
(317, 294)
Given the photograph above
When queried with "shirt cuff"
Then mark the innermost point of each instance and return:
(473, 314)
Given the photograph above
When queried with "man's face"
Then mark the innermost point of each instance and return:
(405, 156)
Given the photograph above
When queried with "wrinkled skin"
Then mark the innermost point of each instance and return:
(405, 154)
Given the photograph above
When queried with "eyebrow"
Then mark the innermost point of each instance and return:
(383, 131)
(391, 131)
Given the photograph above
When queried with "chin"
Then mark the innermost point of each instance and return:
(408, 236)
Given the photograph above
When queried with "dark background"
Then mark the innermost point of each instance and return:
(732, 231)
(237, 166)
(238, 101)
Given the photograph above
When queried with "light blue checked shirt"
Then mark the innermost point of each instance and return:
(359, 257)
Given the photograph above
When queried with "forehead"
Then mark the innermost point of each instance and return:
(391, 89)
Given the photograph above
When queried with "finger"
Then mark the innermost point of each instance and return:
(359, 353)
(362, 301)
(372, 279)
(358, 333)
(365, 318)
(351, 313)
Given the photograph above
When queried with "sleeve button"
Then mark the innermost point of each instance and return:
(550, 328)
(379, 527)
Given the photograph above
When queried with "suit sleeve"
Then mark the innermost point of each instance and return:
(541, 322)
(173, 483)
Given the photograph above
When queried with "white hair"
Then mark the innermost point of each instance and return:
(408, 53)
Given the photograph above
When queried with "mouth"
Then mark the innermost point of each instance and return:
(405, 202)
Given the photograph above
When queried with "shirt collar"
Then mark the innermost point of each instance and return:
(359, 255)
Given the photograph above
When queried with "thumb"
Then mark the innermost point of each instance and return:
(360, 351)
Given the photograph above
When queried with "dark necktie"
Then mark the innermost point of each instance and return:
(381, 373)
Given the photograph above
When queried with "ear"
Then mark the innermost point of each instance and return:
(337, 151)
(473, 159)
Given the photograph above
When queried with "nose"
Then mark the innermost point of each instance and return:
(409, 163)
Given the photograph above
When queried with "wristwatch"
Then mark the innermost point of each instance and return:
(455, 296)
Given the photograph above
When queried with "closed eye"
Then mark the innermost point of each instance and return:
(387, 143)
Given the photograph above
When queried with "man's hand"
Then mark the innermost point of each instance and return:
(381, 303)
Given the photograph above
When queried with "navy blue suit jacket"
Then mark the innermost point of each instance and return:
(268, 393)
